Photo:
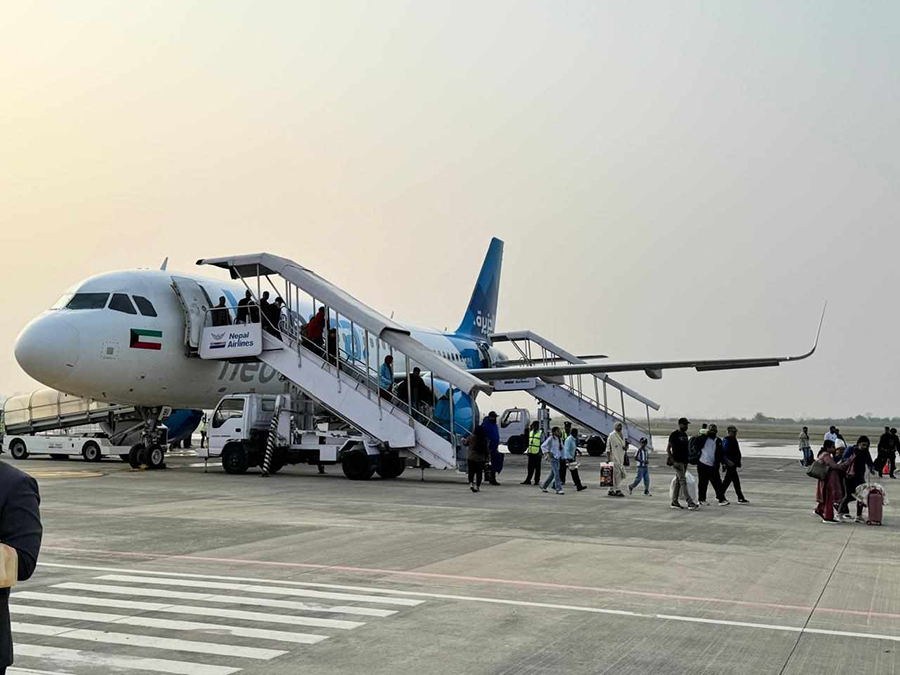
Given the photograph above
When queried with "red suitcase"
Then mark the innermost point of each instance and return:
(875, 504)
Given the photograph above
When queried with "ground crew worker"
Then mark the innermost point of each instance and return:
(534, 454)
(204, 429)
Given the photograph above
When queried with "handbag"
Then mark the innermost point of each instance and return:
(9, 566)
(818, 470)
(626, 462)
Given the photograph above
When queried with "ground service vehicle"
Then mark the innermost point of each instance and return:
(515, 423)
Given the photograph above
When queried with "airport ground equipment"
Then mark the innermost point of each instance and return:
(515, 424)
(343, 377)
(49, 422)
(588, 400)
(244, 426)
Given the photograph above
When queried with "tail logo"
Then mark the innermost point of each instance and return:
(484, 323)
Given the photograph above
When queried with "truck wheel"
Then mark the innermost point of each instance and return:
(91, 452)
(154, 457)
(234, 460)
(18, 450)
(124, 458)
(356, 465)
(134, 455)
(59, 458)
(390, 466)
(516, 445)
(596, 446)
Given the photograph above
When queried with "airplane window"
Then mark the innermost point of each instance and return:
(121, 303)
(228, 409)
(88, 301)
(144, 306)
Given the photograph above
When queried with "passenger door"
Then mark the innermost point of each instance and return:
(195, 303)
(228, 423)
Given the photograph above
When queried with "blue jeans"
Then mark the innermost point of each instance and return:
(643, 473)
(807, 456)
(554, 475)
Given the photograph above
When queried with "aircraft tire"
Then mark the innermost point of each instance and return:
(234, 459)
(390, 466)
(134, 455)
(517, 445)
(91, 452)
(155, 457)
(18, 449)
(356, 465)
(596, 446)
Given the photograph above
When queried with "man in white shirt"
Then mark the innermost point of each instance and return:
(711, 457)
(831, 435)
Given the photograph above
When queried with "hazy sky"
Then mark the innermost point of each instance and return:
(671, 179)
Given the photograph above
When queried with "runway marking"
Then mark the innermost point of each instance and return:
(212, 611)
(167, 624)
(65, 474)
(208, 611)
(135, 640)
(249, 588)
(73, 656)
(12, 670)
(790, 629)
(455, 577)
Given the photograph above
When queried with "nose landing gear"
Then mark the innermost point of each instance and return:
(149, 452)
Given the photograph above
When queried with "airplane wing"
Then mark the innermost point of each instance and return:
(653, 369)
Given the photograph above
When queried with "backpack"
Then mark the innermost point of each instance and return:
(695, 449)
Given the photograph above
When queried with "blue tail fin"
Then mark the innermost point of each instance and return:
(481, 314)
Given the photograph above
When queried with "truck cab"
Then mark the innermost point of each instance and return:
(514, 425)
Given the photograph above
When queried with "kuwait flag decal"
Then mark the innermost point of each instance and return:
(145, 339)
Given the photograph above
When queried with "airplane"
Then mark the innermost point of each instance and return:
(119, 337)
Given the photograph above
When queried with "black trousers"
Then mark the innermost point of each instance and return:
(563, 466)
(885, 462)
(562, 471)
(707, 475)
(476, 469)
(731, 476)
(850, 485)
(534, 468)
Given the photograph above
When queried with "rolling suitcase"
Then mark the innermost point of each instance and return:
(606, 475)
(875, 504)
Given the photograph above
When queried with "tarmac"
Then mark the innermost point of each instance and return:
(181, 571)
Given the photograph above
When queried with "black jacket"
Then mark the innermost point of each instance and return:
(20, 528)
(731, 450)
(697, 443)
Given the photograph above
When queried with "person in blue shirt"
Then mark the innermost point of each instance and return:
(570, 450)
(552, 448)
(493, 437)
(386, 377)
(642, 457)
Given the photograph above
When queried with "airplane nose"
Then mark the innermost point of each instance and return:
(47, 349)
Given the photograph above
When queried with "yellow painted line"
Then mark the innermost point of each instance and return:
(65, 474)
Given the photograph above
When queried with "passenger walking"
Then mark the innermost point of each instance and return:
(20, 534)
(220, 315)
(553, 449)
(885, 452)
(805, 448)
(204, 429)
(314, 331)
(677, 455)
(272, 317)
(264, 307)
(243, 308)
(535, 438)
(731, 455)
(895, 448)
(496, 458)
(830, 435)
(708, 466)
(830, 489)
(564, 434)
(570, 452)
(642, 459)
(386, 377)
(476, 456)
(856, 476)
(616, 447)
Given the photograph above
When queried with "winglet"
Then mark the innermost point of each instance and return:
(816, 343)
(165, 263)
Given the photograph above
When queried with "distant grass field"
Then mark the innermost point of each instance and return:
(778, 434)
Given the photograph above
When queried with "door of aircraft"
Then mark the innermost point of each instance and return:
(195, 303)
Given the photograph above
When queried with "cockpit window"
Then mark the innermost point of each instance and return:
(88, 301)
(144, 306)
(121, 303)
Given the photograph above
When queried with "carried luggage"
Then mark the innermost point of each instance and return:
(691, 486)
(875, 504)
(9, 566)
(818, 470)
(606, 475)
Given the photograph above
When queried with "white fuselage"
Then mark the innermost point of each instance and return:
(96, 352)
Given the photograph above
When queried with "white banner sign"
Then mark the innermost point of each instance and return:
(228, 342)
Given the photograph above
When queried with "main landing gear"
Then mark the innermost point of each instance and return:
(149, 451)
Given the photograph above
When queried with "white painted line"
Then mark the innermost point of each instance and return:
(768, 626)
(12, 670)
(249, 588)
(95, 659)
(135, 640)
(167, 624)
(212, 611)
(203, 611)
